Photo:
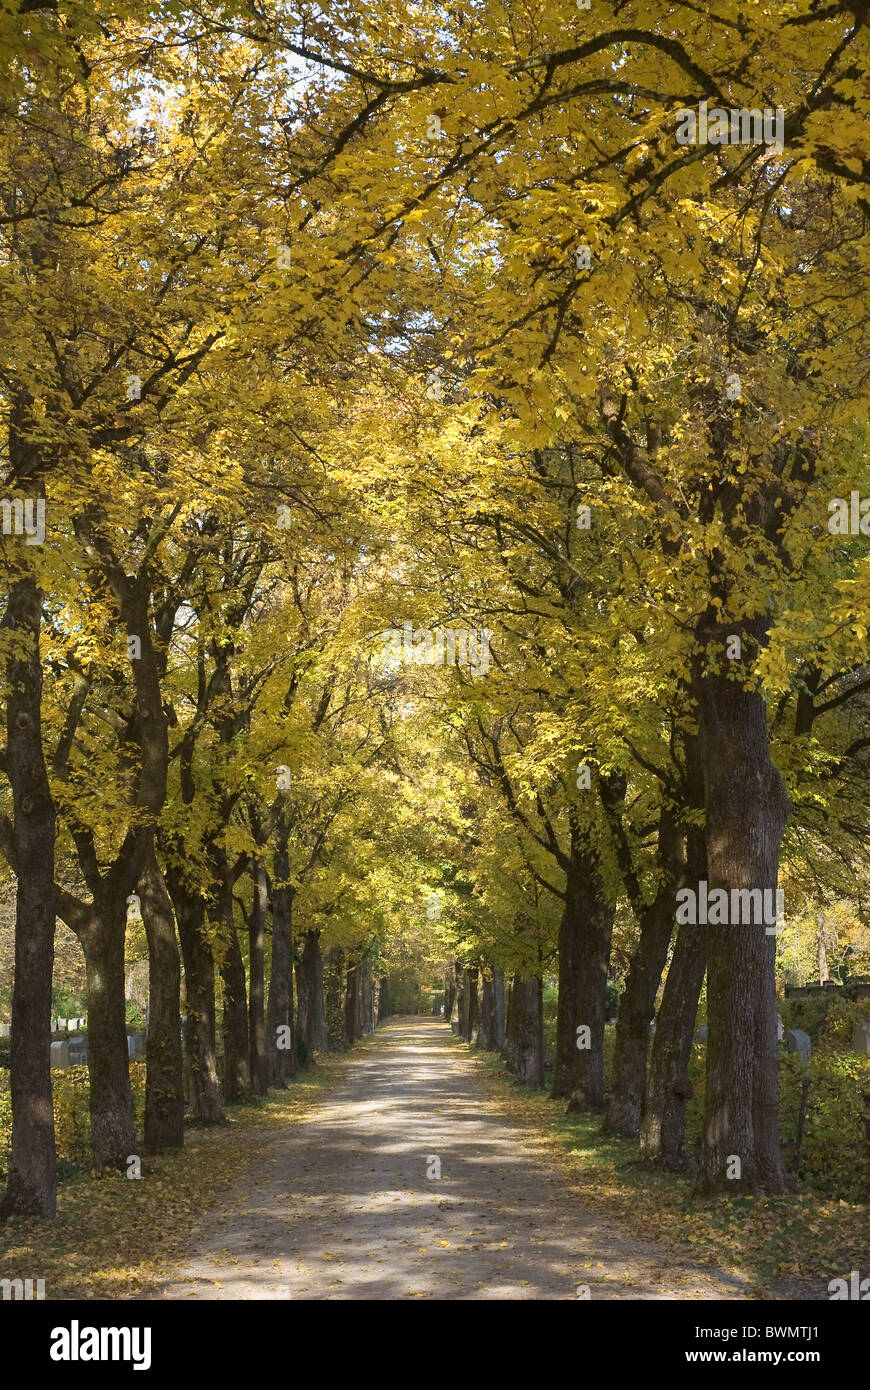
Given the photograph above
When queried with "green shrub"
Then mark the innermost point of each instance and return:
(72, 1128)
(834, 1152)
(68, 1003)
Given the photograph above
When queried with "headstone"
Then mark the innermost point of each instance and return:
(60, 1054)
(780, 1031)
(796, 1040)
(861, 1038)
(5, 1030)
(78, 1051)
(135, 1044)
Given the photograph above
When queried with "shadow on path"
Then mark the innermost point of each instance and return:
(342, 1208)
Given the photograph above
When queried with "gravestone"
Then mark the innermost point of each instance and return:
(5, 1030)
(135, 1045)
(780, 1031)
(861, 1038)
(78, 1051)
(59, 1054)
(796, 1040)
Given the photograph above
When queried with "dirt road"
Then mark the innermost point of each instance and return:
(348, 1204)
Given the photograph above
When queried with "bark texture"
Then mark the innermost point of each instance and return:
(525, 1035)
(280, 1040)
(746, 811)
(199, 986)
(164, 1082)
(257, 983)
(334, 1001)
(113, 1134)
(584, 956)
(637, 1004)
(31, 1184)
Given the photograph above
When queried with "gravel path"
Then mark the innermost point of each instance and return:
(347, 1204)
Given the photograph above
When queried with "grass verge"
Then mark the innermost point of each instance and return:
(114, 1236)
(787, 1247)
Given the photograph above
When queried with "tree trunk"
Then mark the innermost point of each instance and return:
(164, 1082)
(237, 1073)
(31, 1186)
(637, 1005)
(321, 1038)
(584, 957)
(351, 1012)
(257, 982)
(746, 811)
(486, 1030)
(636, 1009)
(668, 1087)
(498, 1016)
(280, 1041)
(525, 1043)
(205, 1099)
(461, 1000)
(363, 987)
(473, 1005)
(449, 992)
(311, 1031)
(383, 999)
(113, 1133)
(822, 947)
(334, 1004)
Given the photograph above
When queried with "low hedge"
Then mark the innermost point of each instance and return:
(70, 1092)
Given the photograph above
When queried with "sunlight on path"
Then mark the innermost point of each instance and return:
(343, 1208)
